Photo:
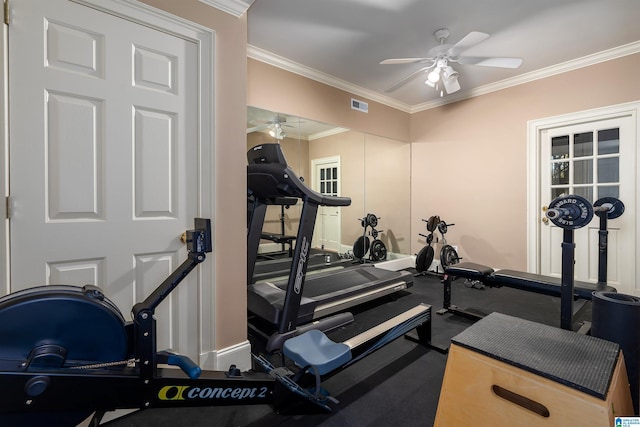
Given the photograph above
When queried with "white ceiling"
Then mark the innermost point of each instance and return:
(341, 42)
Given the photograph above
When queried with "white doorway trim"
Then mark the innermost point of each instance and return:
(535, 129)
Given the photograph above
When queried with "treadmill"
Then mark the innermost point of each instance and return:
(289, 305)
(277, 264)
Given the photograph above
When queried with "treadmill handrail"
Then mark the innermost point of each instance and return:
(269, 176)
(268, 181)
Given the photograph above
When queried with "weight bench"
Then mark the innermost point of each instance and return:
(530, 282)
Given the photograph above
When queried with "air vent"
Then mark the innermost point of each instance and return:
(359, 105)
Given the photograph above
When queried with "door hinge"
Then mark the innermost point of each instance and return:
(6, 12)
(7, 207)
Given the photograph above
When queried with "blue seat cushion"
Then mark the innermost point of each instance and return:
(314, 348)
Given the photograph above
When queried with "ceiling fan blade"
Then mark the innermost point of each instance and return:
(257, 128)
(406, 60)
(407, 79)
(468, 41)
(490, 62)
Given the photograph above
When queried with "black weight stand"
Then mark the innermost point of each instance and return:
(566, 287)
(605, 208)
(448, 254)
(377, 249)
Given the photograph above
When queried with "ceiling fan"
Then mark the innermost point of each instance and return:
(275, 126)
(440, 74)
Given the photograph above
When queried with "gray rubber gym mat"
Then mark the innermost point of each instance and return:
(582, 362)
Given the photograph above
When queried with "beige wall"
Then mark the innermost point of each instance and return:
(388, 190)
(230, 243)
(470, 161)
(274, 89)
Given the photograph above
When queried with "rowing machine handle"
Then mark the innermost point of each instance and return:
(187, 365)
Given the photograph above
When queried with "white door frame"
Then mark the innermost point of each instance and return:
(315, 185)
(535, 128)
(203, 38)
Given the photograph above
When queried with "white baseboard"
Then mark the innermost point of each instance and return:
(239, 355)
(397, 263)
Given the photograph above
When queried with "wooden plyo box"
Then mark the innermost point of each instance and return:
(505, 371)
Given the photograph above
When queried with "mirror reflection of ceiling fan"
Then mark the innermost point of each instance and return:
(275, 126)
(440, 74)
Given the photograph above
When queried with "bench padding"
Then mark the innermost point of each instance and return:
(521, 280)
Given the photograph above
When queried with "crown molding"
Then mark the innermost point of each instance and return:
(236, 8)
(575, 64)
(326, 133)
(304, 71)
(285, 64)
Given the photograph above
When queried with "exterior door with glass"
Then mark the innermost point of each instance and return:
(593, 160)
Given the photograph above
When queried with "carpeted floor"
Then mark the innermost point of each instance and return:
(397, 385)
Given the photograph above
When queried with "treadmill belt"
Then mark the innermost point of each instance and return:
(337, 282)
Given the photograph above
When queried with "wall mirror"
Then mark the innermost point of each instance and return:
(373, 171)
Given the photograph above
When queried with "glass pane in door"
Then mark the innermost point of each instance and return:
(583, 144)
(608, 141)
(560, 147)
(581, 161)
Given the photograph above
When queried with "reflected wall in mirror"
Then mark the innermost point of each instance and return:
(372, 171)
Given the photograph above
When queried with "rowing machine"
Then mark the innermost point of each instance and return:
(66, 352)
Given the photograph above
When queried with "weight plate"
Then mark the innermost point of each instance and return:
(430, 238)
(378, 251)
(360, 247)
(616, 207)
(424, 259)
(448, 256)
(432, 223)
(442, 227)
(372, 220)
(570, 212)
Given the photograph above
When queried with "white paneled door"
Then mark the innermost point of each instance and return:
(103, 157)
(326, 180)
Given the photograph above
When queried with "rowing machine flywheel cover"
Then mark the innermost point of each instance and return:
(81, 321)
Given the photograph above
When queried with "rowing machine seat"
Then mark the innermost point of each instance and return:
(314, 348)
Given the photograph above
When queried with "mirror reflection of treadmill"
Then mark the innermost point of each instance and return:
(276, 264)
(298, 300)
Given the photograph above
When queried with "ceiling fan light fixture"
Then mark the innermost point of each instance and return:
(449, 73)
(451, 84)
(450, 79)
(434, 76)
(441, 76)
(277, 132)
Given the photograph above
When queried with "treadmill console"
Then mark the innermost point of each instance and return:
(266, 153)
